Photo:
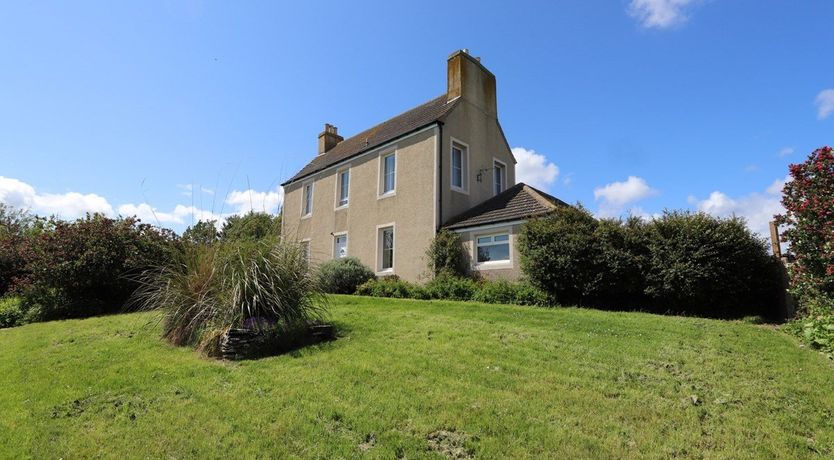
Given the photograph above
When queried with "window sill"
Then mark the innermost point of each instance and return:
(339, 208)
(459, 190)
(387, 195)
(386, 272)
(497, 265)
(306, 216)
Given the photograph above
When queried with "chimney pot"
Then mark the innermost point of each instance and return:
(329, 138)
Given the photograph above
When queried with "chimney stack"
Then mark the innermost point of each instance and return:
(329, 138)
(469, 79)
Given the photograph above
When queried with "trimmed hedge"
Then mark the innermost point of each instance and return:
(681, 262)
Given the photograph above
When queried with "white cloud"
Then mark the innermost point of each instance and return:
(786, 151)
(757, 209)
(617, 195)
(252, 200)
(534, 169)
(72, 205)
(188, 189)
(825, 103)
(660, 14)
(66, 205)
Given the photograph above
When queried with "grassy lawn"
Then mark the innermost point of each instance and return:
(420, 380)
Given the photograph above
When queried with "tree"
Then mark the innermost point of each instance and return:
(253, 226)
(202, 233)
(446, 254)
(809, 216)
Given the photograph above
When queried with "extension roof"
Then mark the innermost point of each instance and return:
(516, 203)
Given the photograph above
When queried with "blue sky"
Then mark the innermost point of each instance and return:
(203, 108)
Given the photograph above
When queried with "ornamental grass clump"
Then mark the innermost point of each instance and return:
(265, 286)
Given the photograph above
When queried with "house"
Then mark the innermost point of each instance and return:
(383, 194)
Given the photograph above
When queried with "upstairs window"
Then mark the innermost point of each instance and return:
(460, 166)
(389, 173)
(307, 200)
(386, 248)
(493, 248)
(340, 247)
(499, 175)
(344, 188)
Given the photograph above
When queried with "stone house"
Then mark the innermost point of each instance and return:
(383, 194)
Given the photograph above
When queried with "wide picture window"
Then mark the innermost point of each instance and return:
(493, 248)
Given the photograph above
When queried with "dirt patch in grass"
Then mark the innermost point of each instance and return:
(450, 444)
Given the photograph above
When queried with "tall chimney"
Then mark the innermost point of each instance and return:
(329, 138)
(469, 79)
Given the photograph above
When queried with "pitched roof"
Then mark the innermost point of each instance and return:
(404, 123)
(517, 202)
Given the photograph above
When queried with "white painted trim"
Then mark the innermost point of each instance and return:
(369, 152)
(333, 244)
(338, 177)
(381, 171)
(489, 226)
(378, 267)
(312, 200)
(465, 167)
(504, 183)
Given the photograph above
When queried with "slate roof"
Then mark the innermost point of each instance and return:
(412, 120)
(517, 202)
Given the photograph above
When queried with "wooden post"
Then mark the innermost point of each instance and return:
(774, 240)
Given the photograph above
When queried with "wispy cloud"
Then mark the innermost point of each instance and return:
(786, 151)
(825, 103)
(534, 169)
(660, 14)
(615, 197)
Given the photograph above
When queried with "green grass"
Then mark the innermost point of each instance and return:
(500, 381)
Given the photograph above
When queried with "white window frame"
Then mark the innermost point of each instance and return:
(493, 264)
(338, 200)
(305, 200)
(464, 166)
(379, 241)
(503, 179)
(381, 167)
(347, 244)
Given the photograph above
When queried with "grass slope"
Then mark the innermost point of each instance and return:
(494, 381)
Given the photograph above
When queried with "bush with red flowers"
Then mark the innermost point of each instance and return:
(809, 219)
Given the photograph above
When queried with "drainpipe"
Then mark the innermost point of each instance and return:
(439, 177)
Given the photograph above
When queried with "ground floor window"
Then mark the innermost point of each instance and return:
(306, 251)
(340, 248)
(386, 248)
(493, 248)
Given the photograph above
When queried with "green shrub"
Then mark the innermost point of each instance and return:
(11, 313)
(252, 226)
(390, 286)
(209, 290)
(448, 287)
(343, 276)
(519, 293)
(88, 266)
(560, 254)
(700, 264)
(446, 255)
(681, 262)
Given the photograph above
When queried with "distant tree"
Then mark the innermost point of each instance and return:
(16, 226)
(203, 233)
(809, 217)
(253, 226)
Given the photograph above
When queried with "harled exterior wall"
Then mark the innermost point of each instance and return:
(411, 209)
